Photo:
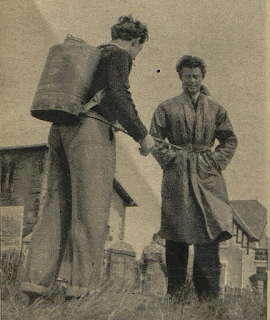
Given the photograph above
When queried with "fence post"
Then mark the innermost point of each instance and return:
(121, 264)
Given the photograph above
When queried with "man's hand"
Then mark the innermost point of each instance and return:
(163, 155)
(147, 143)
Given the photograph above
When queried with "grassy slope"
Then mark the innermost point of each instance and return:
(115, 302)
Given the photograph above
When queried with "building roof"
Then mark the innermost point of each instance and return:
(42, 146)
(251, 215)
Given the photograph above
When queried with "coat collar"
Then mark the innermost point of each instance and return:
(189, 110)
(195, 116)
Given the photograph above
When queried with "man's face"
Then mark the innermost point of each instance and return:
(192, 78)
(136, 47)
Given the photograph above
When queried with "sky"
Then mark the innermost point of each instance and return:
(229, 35)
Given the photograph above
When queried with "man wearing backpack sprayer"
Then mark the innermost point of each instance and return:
(81, 173)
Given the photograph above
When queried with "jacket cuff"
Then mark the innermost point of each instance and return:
(138, 136)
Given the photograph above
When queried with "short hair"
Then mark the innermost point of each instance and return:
(128, 29)
(190, 62)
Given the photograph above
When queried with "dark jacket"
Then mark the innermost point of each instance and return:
(112, 75)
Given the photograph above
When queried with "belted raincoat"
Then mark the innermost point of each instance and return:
(195, 204)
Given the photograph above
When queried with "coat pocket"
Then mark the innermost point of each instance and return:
(207, 170)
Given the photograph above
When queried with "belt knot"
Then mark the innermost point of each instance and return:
(190, 147)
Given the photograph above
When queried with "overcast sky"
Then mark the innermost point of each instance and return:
(229, 35)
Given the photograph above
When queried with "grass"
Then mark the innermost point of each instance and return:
(116, 302)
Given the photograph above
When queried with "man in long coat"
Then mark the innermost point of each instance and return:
(195, 204)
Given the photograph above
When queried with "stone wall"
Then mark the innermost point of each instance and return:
(22, 172)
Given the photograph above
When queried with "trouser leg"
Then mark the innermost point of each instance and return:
(92, 166)
(50, 235)
(176, 261)
(207, 269)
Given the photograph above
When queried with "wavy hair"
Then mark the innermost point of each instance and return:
(128, 29)
(190, 62)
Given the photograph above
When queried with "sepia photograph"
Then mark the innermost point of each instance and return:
(134, 157)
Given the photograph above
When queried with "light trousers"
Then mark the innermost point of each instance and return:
(76, 208)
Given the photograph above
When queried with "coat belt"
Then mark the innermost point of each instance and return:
(190, 147)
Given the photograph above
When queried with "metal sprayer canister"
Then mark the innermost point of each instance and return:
(65, 82)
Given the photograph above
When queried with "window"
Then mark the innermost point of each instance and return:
(223, 273)
(7, 174)
(261, 254)
(234, 231)
(109, 237)
(239, 238)
(261, 270)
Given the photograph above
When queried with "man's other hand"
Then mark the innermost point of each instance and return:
(147, 143)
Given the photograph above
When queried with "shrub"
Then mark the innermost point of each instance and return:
(10, 266)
